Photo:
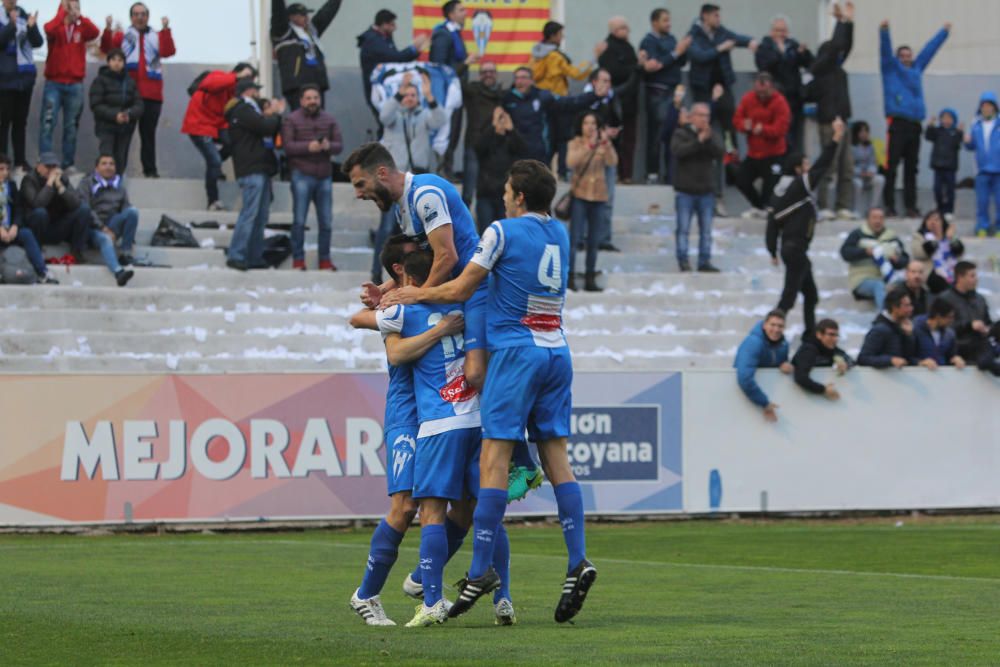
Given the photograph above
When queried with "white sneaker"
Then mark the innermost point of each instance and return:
(412, 588)
(504, 611)
(427, 616)
(846, 214)
(753, 214)
(217, 206)
(826, 215)
(371, 610)
(652, 179)
(720, 210)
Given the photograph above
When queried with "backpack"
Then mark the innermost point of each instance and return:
(197, 82)
(15, 269)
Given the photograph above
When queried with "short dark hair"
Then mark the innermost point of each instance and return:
(578, 125)
(792, 162)
(5, 159)
(894, 298)
(535, 181)
(904, 47)
(525, 69)
(393, 253)
(369, 157)
(417, 265)
(594, 72)
(551, 28)
(448, 7)
(115, 53)
(657, 13)
(242, 65)
(309, 86)
(384, 16)
(708, 8)
(776, 313)
(964, 267)
(764, 77)
(940, 308)
(137, 4)
(827, 325)
(101, 156)
(856, 128)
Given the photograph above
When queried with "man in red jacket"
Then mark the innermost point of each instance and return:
(144, 47)
(67, 36)
(764, 116)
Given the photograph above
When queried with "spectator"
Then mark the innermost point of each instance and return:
(947, 140)
(972, 314)
(619, 59)
(764, 347)
(662, 57)
(480, 99)
(792, 216)
(448, 48)
(112, 217)
(12, 228)
(890, 340)
(868, 183)
(934, 245)
(984, 139)
(934, 337)
(253, 130)
(611, 112)
(498, 148)
(143, 48)
(376, 46)
(296, 46)
(205, 122)
(990, 358)
(916, 286)
(903, 93)
(590, 152)
(67, 36)
(833, 100)
(54, 211)
(875, 254)
(763, 116)
(19, 36)
(695, 146)
(117, 107)
(784, 58)
(819, 349)
(310, 136)
(408, 125)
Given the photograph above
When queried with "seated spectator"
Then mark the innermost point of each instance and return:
(765, 347)
(876, 256)
(116, 105)
(764, 117)
(499, 147)
(820, 350)
(890, 340)
(54, 212)
(972, 315)
(989, 360)
(934, 337)
(868, 183)
(408, 124)
(112, 216)
(12, 229)
(935, 246)
(916, 287)
(695, 147)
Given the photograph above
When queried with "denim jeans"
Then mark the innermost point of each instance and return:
(488, 210)
(987, 187)
(386, 228)
(26, 239)
(585, 217)
(214, 156)
(657, 102)
(318, 191)
(470, 175)
(124, 224)
(67, 97)
(687, 206)
(100, 240)
(872, 288)
(610, 177)
(247, 244)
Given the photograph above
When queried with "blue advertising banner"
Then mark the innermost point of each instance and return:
(615, 443)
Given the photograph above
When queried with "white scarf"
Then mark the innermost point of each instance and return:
(151, 45)
(308, 39)
(19, 46)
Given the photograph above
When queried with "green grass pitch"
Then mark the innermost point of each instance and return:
(697, 592)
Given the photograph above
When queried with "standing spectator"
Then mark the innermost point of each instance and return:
(67, 35)
(868, 183)
(590, 152)
(819, 350)
(143, 48)
(54, 211)
(310, 137)
(947, 142)
(611, 112)
(662, 57)
(784, 58)
(252, 130)
(762, 115)
(916, 286)
(972, 314)
(19, 35)
(206, 126)
(622, 64)
(12, 228)
(934, 245)
(833, 100)
(890, 340)
(296, 44)
(117, 107)
(903, 93)
(480, 99)
(695, 147)
(112, 217)
(792, 216)
(984, 139)
(448, 48)
(934, 338)
(498, 148)
(408, 124)
(876, 255)
(764, 347)
(376, 46)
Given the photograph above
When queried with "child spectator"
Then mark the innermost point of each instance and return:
(868, 183)
(984, 139)
(820, 350)
(947, 140)
(935, 246)
(764, 347)
(116, 105)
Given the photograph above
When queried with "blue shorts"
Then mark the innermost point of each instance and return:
(447, 465)
(400, 449)
(528, 387)
(475, 318)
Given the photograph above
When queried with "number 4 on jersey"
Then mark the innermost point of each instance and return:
(550, 268)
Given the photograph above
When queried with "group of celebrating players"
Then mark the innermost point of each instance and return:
(477, 360)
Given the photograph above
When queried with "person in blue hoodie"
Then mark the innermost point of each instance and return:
(947, 140)
(764, 347)
(903, 93)
(984, 138)
(935, 338)
(19, 35)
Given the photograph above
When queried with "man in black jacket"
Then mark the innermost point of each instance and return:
(116, 105)
(820, 350)
(480, 99)
(376, 47)
(696, 147)
(252, 131)
(54, 211)
(972, 314)
(296, 44)
(12, 228)
(448, 48)
(890, 341)
(498, 148)
(792, 216)
(784, 58)
(622, 63)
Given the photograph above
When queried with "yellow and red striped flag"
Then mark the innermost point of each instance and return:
(503, 32)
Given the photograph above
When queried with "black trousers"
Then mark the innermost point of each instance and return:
(753, 170)
(116, 144)
(14, 106)
(447, 162)
(799, 278)
(904, 146)
(148, 121)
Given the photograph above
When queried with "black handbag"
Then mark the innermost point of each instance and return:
(172, 234)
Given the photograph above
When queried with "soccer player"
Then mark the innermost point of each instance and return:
(528, 384)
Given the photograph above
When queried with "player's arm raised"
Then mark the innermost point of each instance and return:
(399, 350)
(458, 290)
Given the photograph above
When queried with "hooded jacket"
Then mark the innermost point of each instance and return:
(785, 66)
(249, 133)
(14, 76)
(67, 59)
(758, 351)
(884, 341)
(829, 89)
(299, 62)
(413, 125)
(206, 109)
(947, 143)
(773, 114)
(987, 160)
(903, 87)
(110, 94)
(552, 69)
(942, 352)
(812, 354)
(863, 266)
(708, 65)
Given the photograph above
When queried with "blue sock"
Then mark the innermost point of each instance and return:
(570, 502)
(522, 456)
(456, 535)
(501, 563)
(381, 556)
(485, 521)
(433, 554)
